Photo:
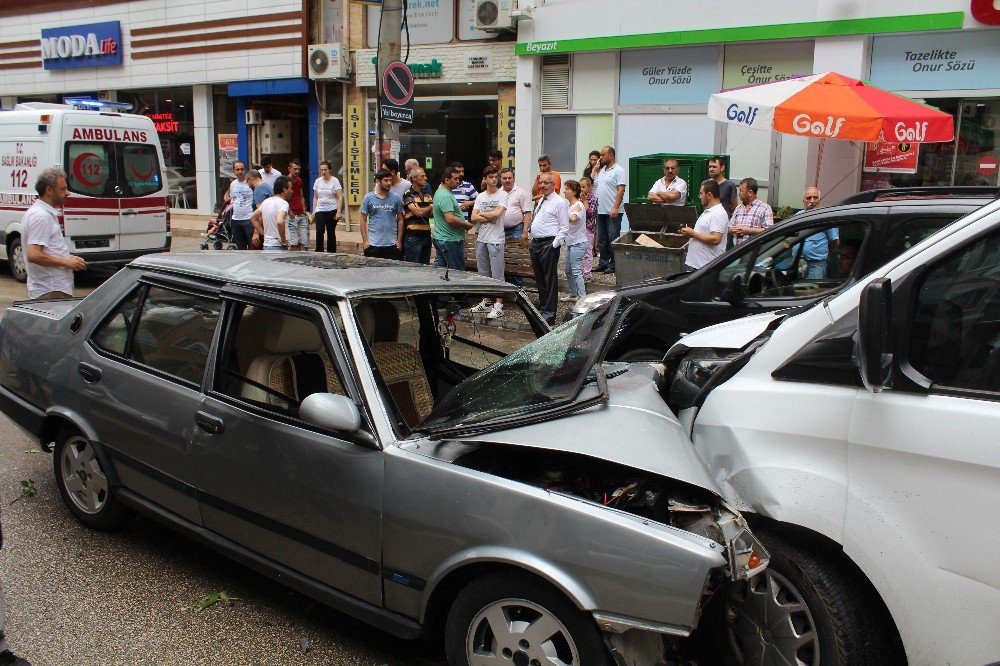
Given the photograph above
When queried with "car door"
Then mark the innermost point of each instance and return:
(143, 202)
(139, 379)
(90, 212)
(924, 455)
(773, 270)
(306, 498)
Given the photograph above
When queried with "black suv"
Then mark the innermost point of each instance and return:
(769, 272)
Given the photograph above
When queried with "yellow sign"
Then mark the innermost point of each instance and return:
(355, 155)
(507, 107)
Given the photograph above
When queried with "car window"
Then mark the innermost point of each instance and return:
(162, 329)
(905, 233)
(804, 262)
(954, 336)
(88, 167)
(274, 359)
(140, 169)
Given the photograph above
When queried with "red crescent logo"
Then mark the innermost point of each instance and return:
(142, 176)
(78, 169)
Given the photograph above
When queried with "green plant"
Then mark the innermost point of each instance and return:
(28, 490)
(213, 599)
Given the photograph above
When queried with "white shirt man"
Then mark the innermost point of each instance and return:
(48, 262)
(267, 174)
(519, 205)
(549, 225)
(270, 219)
(671, 189)
(488, 213)
(708, 238)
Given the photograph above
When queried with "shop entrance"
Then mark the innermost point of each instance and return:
(964, 161)
(445, 130)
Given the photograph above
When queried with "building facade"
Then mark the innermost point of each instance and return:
(618, 72)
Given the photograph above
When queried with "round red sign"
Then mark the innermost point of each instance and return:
(988, 165)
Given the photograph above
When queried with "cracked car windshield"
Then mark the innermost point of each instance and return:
(547, 373)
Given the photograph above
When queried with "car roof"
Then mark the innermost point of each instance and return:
(942, 203)
(340, 275)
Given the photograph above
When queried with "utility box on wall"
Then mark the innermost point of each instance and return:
(276, 137)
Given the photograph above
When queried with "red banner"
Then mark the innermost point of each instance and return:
(891, 157)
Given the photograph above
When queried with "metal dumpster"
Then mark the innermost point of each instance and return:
(635, 262)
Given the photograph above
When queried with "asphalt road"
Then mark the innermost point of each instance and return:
(79, 597)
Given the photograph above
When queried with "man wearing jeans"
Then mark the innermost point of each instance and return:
(449, 223)
(609, 188)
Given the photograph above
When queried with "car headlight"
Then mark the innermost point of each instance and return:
(692, 372)
(591, 301)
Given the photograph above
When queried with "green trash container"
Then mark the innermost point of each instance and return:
(637, 263)
(645, 170)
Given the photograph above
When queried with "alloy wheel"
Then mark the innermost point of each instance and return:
(519, 632)
(84, 480)
(17, 266)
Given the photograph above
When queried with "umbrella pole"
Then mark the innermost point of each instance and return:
(819, 162)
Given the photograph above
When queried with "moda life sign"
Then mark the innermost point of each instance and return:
(943, 61)
(90, 45)
(685, 75)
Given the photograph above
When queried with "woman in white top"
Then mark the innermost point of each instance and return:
(576, 240)
(327, 194)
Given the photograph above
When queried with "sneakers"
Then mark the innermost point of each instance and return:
(8, 658)
(483, 306)
(496, 311)
(566, 298)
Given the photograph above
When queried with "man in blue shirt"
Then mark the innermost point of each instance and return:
(261, 190)
(382, 219)
(816, 249)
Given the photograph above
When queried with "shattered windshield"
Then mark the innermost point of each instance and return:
(550, 372)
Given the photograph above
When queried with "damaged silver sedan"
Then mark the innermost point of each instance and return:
(355, 429)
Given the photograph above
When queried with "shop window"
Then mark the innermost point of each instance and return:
(559, 141)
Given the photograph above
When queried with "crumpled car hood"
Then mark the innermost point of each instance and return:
(733, 334)
(633, 428)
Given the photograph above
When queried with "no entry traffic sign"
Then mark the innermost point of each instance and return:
(988, 166)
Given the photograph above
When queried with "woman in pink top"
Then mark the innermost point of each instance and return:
(587, 195)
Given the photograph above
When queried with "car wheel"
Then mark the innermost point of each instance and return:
(513, 619)
(83, 482)
(642, 354)
(806, 608)
(15, 258)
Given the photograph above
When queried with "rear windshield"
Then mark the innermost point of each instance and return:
(112, 169)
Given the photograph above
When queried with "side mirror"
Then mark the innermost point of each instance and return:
(330, 411)
(874, 341)
(736, 291)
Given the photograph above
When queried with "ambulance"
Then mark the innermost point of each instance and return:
(117, 205)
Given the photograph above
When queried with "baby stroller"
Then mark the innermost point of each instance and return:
(219, 235)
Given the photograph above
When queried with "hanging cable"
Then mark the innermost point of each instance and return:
(406, 27)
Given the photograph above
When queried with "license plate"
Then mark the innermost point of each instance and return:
(97, 242)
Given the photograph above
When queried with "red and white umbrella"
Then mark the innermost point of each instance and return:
(832, 106)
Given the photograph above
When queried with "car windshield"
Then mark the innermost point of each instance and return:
(541, 376)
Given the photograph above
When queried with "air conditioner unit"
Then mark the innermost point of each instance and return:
(255, 117)
(494, 15)
(327, 61)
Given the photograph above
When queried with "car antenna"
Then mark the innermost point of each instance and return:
(445, 276)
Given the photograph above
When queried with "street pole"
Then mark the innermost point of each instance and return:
(391, 21)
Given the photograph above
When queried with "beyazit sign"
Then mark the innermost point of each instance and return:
(685, 75)
(943, 61)
(92, 45)
(891, 157)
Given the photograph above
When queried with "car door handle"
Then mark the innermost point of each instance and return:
(129, 212)
(91, 374)
(213, 425)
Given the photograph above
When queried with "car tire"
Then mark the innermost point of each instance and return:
(16, 260)
(83, 482)
(807, 607)
(479, 624)
(642, 354)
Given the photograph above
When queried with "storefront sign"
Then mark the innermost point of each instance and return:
(985, 12)
(749, 64)
(229, 148)
(669, 76)
(164, 122)
(422, 70)
(92, 45)
(506, 117)
(333, 21)
(946, 61)
(355, 155)
(891, 157)
(430, 22)
(480, 63)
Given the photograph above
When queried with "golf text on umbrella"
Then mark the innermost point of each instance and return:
(734, 112)
(803, 124)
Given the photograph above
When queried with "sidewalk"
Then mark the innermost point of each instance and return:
(194, 226)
